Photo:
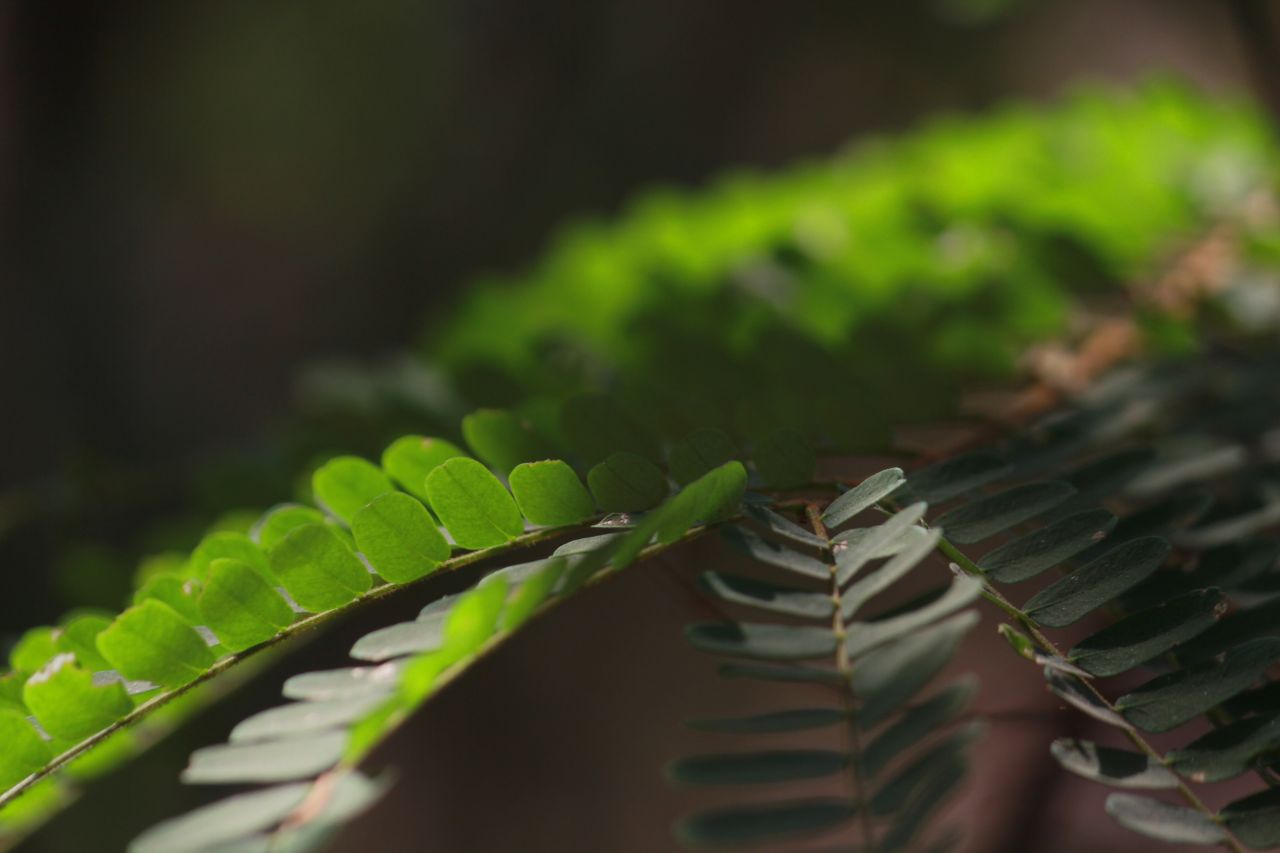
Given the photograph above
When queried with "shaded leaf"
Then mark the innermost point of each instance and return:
(403, 638)
(150, 642)
(1255, 820)
(750, 543)
(864, 589)
(757, 768)
(1096, 583)
(768, 596)
(223, 822)
(945, 480)
(888, 677)
(304, 718)
(762, 822)
(1039, 550)
(345, 683)
(1159, 519)
(1146, 634)
(1228, 751)
(399, 537)
(785, 458)
(985, 517)
(1170, 700)
(864, 636)
(266, 761)
(917, 724)
(1074, 691)
(1163, 821)
(549, 493)
(795, 720)
(700, 452)
(866, 494)
(712, 497)
(1119, 768)
(786, 674)
(346, 483)
(898, 791)
(761, 641)
(784, 527)
(627, 482)
(531, 593)
(502, 441)
(597, 427)
(857, 554)
(477, 510)
(318, 569)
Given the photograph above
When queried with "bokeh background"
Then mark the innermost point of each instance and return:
(201, 198)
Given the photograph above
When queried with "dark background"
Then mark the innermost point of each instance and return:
(198, 198)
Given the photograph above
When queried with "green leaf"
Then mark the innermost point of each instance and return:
(1255, 820)
(757, 768)
(761, 641)
(24, 751)
(304, 718)
(1164, 821)
(699, 453)
(1170, 700)
(866, 494)
(1229, 751)
(1159, 519)
(11, 691)
(180, 593)
(240, 607)
(985, 517)
(228, 546)
(346, 483)
(864, 636)
(477, 510)
(1148, 633)
(399, 537)
(853, 555)
(627, 482)
(785, 458)
(768, 596)
(712, 497)
(34, 649)
(284, 760)
(1094, 584)
(763, 822)
(1119, 768)
(151, 642)
(888, 677)
(474, 619)
(750, 543)
(1039, 550)
(223, 822)
(79, 636)
(502, 441)
(945, 480)
(597, 427)
(318, 569)
(346, 683)
(411, 458)
(930, 793)
(550, 494)
(799, 719)
(917, 724)
(280, 520)
(62, 696)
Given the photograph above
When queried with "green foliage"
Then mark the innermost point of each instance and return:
(627, 482)
(346, 483)
(474, 506)
(318, 569)
(240, 607)
(152, 642)
(399, 537)
(549, 493)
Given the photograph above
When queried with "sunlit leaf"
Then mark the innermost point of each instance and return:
(64, 698)
(502, 441)
(411, 458)
(549, 493)
(477, 510)
(318, 569)
(151, 642)
(240, 607)
(399, 537)
(346, 483)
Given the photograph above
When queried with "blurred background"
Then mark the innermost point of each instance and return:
(198, 199)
